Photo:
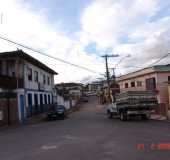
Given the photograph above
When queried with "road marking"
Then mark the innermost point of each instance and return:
(48, 147)
(69, 137)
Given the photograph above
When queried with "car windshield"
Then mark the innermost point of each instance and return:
(60, 107)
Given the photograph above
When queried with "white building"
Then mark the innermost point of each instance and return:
(68, 94)
(31, 80)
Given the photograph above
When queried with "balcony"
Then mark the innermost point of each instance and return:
(7, 82)
(41, 86)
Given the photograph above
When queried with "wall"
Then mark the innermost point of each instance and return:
(61, 101)
(139, 78)
(16, 67)
(76, 93)
(138, 73)
(34, 85)
(12, 109)
(161, 85)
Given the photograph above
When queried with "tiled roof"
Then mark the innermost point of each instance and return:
(21, 54)
(144, 71)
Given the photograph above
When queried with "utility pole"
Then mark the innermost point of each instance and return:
(1, 18)
(113, 74)
(107, 73)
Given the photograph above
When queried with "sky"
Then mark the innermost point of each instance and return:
(81, 31)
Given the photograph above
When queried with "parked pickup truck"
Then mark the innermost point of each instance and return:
(133, 103)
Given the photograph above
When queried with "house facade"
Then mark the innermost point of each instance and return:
(74, 89)
(154, 78)
(30, 80)
(68, 94)
(94, 86)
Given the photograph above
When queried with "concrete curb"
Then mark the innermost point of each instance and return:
(164, 120)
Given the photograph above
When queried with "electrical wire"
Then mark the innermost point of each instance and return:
(47, 55)
(157, 61)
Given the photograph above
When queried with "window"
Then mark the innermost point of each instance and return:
(0, 67)
(29, 74)
(41, 102)
(36, 99)
(30, 104)
(41, 99)
(48, 80)
(45, 98)
(151, 84)
(126, 85)
(10, 68)
(139, 83)
(29, 99)
(44, 79)
(168, 78)
(49, 100)
(35, 76)
(36, 103)
(132, 84)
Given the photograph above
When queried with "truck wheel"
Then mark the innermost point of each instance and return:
(123, 116)
(146, 116)
(110, 115)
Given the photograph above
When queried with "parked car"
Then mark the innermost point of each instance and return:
(56, 112)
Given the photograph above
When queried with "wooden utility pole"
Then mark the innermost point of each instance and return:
(113, 74)
(107, 73)
(1, 18)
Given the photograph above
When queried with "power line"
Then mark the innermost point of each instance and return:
(129, 67)
(118, 63)
(157, 61)
(47, 55)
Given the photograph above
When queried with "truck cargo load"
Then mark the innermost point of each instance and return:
(133, 103)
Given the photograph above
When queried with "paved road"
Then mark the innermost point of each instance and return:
(86, 135)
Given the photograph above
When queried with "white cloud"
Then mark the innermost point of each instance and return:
(105, 22)
(30, 27)
(108, 22)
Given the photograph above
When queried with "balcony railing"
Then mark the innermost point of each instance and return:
(7, 82)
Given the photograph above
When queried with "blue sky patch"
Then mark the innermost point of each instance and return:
(91, 48)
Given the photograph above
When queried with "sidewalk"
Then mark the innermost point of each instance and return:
(159, 117)
(36, 119)
(42, 117)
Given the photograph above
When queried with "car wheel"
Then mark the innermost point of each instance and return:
(146, 116)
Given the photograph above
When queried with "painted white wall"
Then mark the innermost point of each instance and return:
(67, 104)
(34, 85)
(61, 101)
(73, 103)
(75, 92)
(30, 86)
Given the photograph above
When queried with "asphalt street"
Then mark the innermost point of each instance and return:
(87, 134)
